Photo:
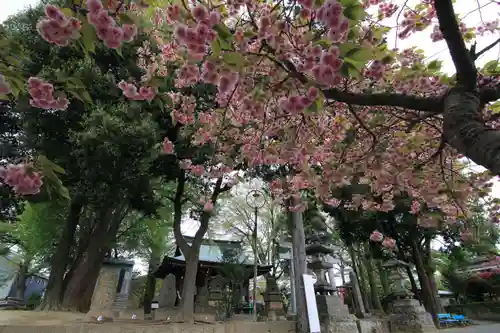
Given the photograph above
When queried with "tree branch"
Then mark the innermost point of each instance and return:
(486, 49)
(462, 58)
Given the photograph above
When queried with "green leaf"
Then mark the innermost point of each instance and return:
(358, 54)
(88, 37)
(344, 48)
(223, 31)
(126, 19)
(317, 105)
(74, 82)
(348, 3)
(234, 59)
(434, 65)
(47, 164)
(492, 67)
(216, 48)
(67, 11)
(354, 13)
(85, 96)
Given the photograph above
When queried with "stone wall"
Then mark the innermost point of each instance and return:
(116, 327)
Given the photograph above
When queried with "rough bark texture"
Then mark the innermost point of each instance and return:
(191, 252)
(464, 129)
(383, 278)
(425, 284)
(377, 305)
(296, 223)
(21, 281)
(59, 262)
(84, 277)
(150, 289)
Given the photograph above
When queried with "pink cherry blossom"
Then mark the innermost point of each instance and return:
(58, 29)
(168, 146)
(23, 180)
(376, 236)
(208, 206)
(389, 243)
(42, 95)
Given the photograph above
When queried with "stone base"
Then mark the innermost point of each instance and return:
(334, 316)
(409, 316)
(371, 325)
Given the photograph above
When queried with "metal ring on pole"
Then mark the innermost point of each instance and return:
(255, 199)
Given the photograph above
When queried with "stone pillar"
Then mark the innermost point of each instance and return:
(168, 292)
(334, 315)
(407, 315)
(272, 297)
(104, 294)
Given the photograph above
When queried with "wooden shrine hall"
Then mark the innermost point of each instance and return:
(214, 256)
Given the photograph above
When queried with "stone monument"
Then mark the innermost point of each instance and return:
(201, 304)
(406, 313)
(215, 287)
(333, 314)
(272, 297)
(168, 292)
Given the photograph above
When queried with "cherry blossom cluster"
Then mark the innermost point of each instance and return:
(297, 104)
(376, 70)
(57, 28)
(387, 9)
(196, 37)
(224, 79)
(488, 27)
(331, 15)
(42, 95)
(4, 85)
(326, 70)
(106, 27)
(22, 178)
(387, 242)
(131, 92)
(416, 20)
(208, 205)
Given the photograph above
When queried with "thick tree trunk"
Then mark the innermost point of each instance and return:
(383, 278)
(424, 283)
(363, 283)
(80, 287)
(464, 129)
(296, 223)
(371, 279)
(189, 284)
(357, 272)
(21, 281)
(150, 289)
(59, 262)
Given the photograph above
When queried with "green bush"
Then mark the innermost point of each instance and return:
(33, 301)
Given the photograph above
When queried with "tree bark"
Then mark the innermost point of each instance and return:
(424, 283)
(59, 262)
(356, 270)
(383, 278)
(79, 288)
(191, 252)
(150, 289)
(363, 284)
(21, 281)
(296, 224)
(371, 279)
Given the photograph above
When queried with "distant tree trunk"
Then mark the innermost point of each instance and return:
(191, 252)
(59, 261)
(383, 278)
(371, 278)
(429, 270)
(424, 283)
(21, 280)
(150, 289)
(358, 272)
(363, 283)
(296, 225)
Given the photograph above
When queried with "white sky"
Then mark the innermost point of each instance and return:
(422, 40)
